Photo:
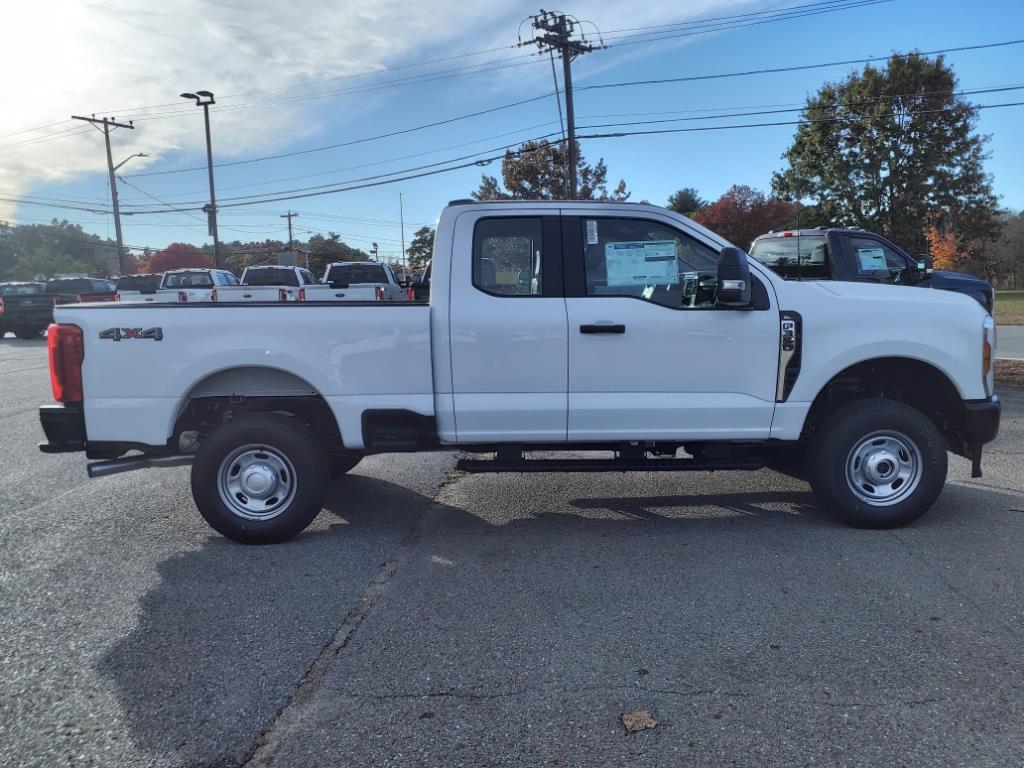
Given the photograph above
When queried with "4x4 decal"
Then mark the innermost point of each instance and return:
(116, 334)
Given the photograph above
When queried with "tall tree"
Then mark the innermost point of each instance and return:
(420, 249)
(538, 170)
(893, 150)
(743, 213)
(178, 256)
(687, 201)
(324, 250)
(33, 250)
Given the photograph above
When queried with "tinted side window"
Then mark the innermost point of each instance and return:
(507, 255)
(648, 260)
(872, 258)
(795, 258)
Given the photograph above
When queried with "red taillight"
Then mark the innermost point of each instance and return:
(67, 350)
(380, 293)
(282, 294)
(213, 295)
(1, 305)
(182, 296)
(301, 295)
(410, 294)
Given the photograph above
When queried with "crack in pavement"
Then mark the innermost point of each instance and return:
(265, 746)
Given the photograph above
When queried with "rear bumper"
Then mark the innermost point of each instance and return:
(32, 319)
(64, 427)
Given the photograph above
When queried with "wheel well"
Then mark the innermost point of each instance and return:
(909, 381)
(234, 392)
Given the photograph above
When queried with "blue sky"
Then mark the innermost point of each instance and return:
(239, 55)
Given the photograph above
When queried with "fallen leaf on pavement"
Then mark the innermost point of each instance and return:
(640, 720)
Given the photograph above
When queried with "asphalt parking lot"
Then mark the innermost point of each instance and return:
(428, 618)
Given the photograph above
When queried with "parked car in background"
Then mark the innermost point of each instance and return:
(856, 255)
(138, 288)
(357, 281)
(268, 283)
(25, 309)
(194, 285)
(80, 290)
(421, 286)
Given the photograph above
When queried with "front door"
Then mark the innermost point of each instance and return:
(509, 348)
(650, 356)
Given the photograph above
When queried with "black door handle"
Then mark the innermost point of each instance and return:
(603, 328)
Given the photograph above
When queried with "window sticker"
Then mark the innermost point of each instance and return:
(871, 259)
(591, 232)
(641, 263)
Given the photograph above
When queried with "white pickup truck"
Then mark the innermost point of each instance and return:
(551, 326)
(188, 285)
(268, 283)
(357, 281)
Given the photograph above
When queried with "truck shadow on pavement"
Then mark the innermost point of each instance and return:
(228, 632)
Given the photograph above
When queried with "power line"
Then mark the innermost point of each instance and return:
(838, 105)
(611, 32)
(796, 67)
(485, 161)
(653, 37)
(352, 142)
(621, 134)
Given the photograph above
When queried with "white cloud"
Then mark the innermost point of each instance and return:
(82, 56)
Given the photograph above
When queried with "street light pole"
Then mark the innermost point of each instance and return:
(204, 99)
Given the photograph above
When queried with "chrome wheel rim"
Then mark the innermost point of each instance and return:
(884, 468)
(256, 482)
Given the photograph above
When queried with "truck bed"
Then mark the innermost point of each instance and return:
(148, 359)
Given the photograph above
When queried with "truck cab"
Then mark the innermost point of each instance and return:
(856, 255)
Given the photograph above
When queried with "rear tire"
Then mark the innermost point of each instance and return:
(877, 463)
(27, 334)
(260, 479)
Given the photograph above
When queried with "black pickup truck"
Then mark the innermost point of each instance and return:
(25, 309)
(857, 255)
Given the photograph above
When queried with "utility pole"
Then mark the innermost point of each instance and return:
(290, 215)
(401, 223)
(557, 30)
(109, 123)
(204, 99)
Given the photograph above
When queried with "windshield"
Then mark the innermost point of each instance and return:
(72, 285)
(353, 274)
(25, 289)
(188, 280)
(272, 276)
(139, 283)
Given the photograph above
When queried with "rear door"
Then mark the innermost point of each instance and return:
(507, 321)
(650, 356)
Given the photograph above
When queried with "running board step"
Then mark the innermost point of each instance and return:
(607, 465)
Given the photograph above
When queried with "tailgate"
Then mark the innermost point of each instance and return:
(346, 293)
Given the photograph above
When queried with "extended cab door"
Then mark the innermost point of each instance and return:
(508, 328)
(650, 356)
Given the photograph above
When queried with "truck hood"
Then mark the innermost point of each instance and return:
(960, 282)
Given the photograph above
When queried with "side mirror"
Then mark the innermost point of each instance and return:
(733, 278)
(925, 265)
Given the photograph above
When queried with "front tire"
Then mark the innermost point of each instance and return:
(877, 463)
(260, 479)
